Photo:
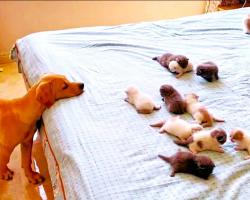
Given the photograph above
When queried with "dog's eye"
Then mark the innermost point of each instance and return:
(65, 86)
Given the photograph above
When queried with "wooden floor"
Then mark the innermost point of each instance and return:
(12, 86)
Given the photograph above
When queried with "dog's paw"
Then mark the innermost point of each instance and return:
(221, 150)
(246, 157)
(35, 178)
(7, 175)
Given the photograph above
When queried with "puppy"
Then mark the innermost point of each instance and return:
(19, 119)
(173, 99)
(166, 58)
(246, 24)
(242, 138)
(199, 112)
(178, 127)
(205, 140)
(143, 103)
(207, 70)
(186, 162)
(174, 67)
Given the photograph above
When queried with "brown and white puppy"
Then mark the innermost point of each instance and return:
(246, 24)
(242, 138)
(186, 162)
(178, 127)
(175, 103)
(199, 112)
(208, 70)
(174, 67)
(143, 103)
(166, 58)
(205, 140)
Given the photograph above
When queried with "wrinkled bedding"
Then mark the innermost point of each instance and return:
(98, 147)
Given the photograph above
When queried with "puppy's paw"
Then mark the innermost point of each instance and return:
(35, 178)
(221, 150)
(126, 99)
(7, 175)
(172, 175)
(194, 152)
(237, 148)
(246, 157)
(157, 107)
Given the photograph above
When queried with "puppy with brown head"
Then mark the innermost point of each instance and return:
(199, 112)
(242, 138)
(178, 127)
(19, 120)
(208, 71)
(186, 162)
(143, 103)
(205, 140)
(174, 67)
(246, 24)
(166, 58)
(173, 99)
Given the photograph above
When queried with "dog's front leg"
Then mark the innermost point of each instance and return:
(5, 172)
(33, 177)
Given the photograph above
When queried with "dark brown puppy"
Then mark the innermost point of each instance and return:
(166, 58)
(207, 70)
(187, 162)
(173, 99)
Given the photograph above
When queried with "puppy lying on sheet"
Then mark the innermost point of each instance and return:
(186, 162)
(18, 118)
(174, 67)
(166, 58)
(246, 24)
(242, 138)
(178, 127)
(208, 71)
(199, 112)
(205, 140)
(143, 103)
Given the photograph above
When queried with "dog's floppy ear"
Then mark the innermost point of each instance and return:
(44, 94)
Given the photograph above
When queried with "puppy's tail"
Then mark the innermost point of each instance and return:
(159, 124)
(156, 58)
(184, 143)
(218, 119)
(167, 159)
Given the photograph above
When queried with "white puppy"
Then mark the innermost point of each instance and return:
(175, 67)
(205, 140)
(246, 24)
(143, 103)
(242, 138)
(199, 112)
(178, 127)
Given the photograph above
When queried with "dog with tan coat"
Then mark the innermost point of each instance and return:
(18, 119)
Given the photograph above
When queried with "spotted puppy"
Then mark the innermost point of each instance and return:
(205, 140)
(166, 58)
(242, 138)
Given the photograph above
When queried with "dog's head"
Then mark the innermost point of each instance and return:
(219, 134)
(166, 90)
(204, 167)
(181, 60)
(236, 134)
(52, 87)
(174, 67)
(132, 90)
(191, 97)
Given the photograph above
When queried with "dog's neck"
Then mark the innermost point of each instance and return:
(29, 102)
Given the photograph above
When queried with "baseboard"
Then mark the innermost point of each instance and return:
(4, 58)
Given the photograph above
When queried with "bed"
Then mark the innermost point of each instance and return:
(98, 147)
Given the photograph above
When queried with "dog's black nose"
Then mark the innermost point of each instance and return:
(81, 86)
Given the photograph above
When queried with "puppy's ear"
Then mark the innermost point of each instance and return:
(44, 94)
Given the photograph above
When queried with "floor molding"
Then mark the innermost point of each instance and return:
(4, 58)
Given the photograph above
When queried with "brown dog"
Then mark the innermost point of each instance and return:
(173, 99)
(208, 70)
(166, 58)
(186, 162)
(18, 119)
